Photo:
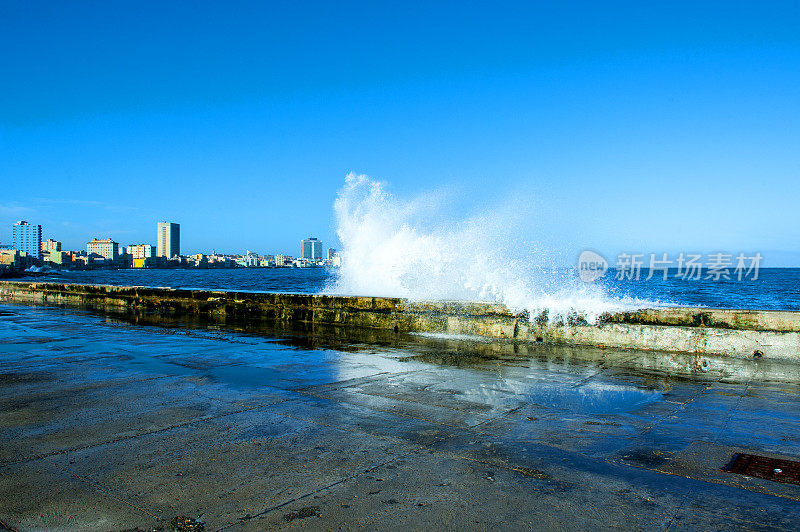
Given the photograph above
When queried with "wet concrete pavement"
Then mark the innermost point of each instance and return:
(106, 425)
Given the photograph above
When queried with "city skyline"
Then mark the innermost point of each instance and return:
(613, 134)
(28, 251)
(27, 227)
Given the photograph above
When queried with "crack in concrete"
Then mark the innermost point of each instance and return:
(201, 419)
(102, 488)
(313, 492)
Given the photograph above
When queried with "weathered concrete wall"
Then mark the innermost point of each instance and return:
(737, 333)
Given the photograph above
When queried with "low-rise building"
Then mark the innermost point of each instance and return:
(141, 251)
(251, 260)
(142, 262)
(14, 259)
(10, 258)
(81, 260)
(198, 260)
(51, 245)
(283, 260)
(58, 258)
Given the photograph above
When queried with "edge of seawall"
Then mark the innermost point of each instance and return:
(736, 333)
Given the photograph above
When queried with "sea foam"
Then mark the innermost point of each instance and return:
(409, 249)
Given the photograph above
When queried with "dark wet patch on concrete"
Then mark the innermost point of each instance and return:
(530, 472)
(649, 458)
(302, 513)
(186, 524)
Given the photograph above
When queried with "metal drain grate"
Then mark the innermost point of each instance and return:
(752, 465)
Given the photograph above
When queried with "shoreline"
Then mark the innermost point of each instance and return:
(743, 334)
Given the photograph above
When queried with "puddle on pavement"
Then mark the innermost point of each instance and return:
(593, 398)
(571, 379)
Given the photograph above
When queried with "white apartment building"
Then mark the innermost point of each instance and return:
(141, 251)
(106, 248)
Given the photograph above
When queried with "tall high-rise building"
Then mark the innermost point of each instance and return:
(331, 253)
(311, 248)
(168, 239)
(28, 238)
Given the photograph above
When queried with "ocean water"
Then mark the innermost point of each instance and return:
(775, 289)
(419, 249)
(288, 280)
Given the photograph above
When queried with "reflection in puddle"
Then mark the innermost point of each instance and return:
(592, 398)
(473, 373)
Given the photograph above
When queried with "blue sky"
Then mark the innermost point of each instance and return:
(623, 125)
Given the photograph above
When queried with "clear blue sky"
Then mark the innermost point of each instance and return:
(627, 125)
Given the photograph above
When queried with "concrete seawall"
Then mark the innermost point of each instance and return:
(735, 333)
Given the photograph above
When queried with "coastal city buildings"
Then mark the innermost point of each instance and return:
(12, 259)
(311, 248)
(141, 255)
(8, 257)
(51, 253)
(141, 251)
(50, 245)
(57, 259)
(106, 248)
(27, 238)
(28, 250)
(168, 240)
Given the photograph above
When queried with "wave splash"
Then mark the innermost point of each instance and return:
(407, 249)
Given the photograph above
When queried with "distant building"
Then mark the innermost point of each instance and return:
(252, 259)
(58, 258)
(311, 248)
(198, 260)
(141, 251)
(50, 245)
(282, 260)
(168, 239)
(9, 258)
(15, 260)
(331, 253)
(106, 248)
(27, 238)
